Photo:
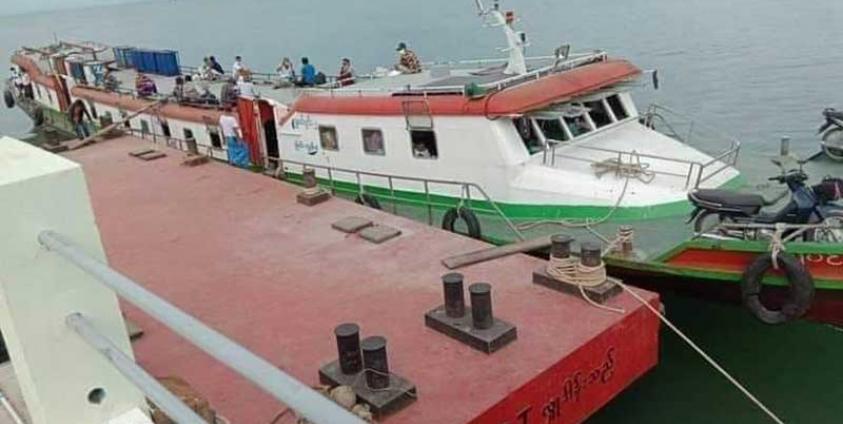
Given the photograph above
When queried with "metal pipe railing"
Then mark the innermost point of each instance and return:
(293, 393)
(155, 391)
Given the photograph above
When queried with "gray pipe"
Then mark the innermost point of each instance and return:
(293, 393)
(166, 401)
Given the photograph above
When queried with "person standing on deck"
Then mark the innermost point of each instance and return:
(78, 112)
(408, 61)
(237, 66)
(238, 154)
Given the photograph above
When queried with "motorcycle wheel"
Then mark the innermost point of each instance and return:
(833, 144)
(709, 220)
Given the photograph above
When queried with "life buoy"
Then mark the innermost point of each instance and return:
(368, 200)
(801, 289)
(466, 215)
(9, 98)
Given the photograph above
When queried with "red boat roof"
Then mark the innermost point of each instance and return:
(514, 100)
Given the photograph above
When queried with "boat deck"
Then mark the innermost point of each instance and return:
(236, 250)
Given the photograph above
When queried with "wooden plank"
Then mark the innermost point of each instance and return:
(93, 138)
(478, 256)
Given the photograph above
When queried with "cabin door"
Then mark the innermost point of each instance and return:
(249, 118)
(270, 135)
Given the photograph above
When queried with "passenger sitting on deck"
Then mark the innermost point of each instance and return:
(286, 73)
(145, 86)
(190, 91)
(207, 72)
(308, 74)
(215, 65)
(408, 62)
(109, 81)
(244, 83)
(346, 75)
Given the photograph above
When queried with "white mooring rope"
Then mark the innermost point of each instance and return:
(705, 356)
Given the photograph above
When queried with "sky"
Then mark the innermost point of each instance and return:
(15, 7)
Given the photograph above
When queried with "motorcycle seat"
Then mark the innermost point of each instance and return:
(725, 199)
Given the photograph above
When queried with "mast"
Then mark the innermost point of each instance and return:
(516, 40)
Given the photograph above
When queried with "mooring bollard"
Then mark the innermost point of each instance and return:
(309, 178)
(785, 146)
(481, 305)
(591, 255)
(375, 361)
(192, 147)
(625, 233)
(560, 246)
(348, 348)
(452, 285)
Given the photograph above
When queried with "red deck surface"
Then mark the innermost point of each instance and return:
(234, 249)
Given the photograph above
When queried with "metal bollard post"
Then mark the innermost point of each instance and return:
(481, 305)
(348, 348)
(591, 254)
(192, 147)
(560, 246)
(375, 361)
(309, 178)
(626, 232)
(785, 146)
(452, 284)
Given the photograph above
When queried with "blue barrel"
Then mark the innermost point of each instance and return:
(124, 55)
(167, 63)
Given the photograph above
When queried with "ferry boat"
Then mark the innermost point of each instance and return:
(525, 138)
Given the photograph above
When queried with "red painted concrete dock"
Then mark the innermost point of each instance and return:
(234, 249)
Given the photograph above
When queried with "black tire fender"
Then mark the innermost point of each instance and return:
(9, 99)
(466, 215)
(800, 281)
(38, 117)
(368, 200)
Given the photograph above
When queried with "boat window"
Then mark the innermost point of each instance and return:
(617, 107)
(424, 144)
(188, 134)
(328, 138)
(599, 115)
(165, 129)
(528, 134)
(373, 141)
(552, 129)
(578, 125)
(216, 140)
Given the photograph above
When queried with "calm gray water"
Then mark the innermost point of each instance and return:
(757, 69)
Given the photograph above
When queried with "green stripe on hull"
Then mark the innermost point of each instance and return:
(518, 211)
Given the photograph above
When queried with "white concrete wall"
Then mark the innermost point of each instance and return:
(38, 289)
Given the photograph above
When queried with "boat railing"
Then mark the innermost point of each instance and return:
(698, 134)
(694, 173)
(561, 65)
(430, 188)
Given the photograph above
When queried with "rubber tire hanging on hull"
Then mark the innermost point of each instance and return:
(9, 98)
(368, 200)
(38, 116)
(800, 282)
(466, 215)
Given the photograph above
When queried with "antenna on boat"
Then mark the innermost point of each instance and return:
(516, 40)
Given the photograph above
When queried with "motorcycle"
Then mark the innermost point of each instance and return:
(832, 134)
(807, 204)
